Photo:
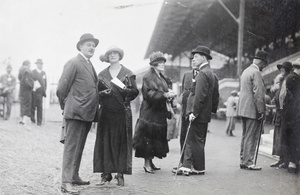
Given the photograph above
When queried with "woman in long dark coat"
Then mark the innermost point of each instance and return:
(26, 85)
(150, 138)
(113, 147)
(292, 116)
(279, 138)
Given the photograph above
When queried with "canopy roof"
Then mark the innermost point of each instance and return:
(184, 24)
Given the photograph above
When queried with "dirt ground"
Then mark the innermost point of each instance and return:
(31, 164)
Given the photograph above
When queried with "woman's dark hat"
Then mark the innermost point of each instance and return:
(86, 37)
(202, 50)
(155, 57)
(286, 65)
(262, 55)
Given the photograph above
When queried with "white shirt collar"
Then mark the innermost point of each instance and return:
(84, 57)
(38, 70)
(256, 66)
(205, 63)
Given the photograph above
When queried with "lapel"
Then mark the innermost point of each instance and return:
(88, 67)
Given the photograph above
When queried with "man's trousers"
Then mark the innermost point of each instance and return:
(77, 132)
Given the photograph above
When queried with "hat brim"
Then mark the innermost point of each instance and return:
(202, 53)
(119, 50)
(260, 58)
(157, 60)
(96, 41)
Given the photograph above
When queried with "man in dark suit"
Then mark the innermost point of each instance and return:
(39, 91)
(202, 101)
(78, 96)
(187, 80)
(251, 108)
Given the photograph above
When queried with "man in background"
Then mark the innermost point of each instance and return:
(251, 108)
(39, 91)
(8, 85)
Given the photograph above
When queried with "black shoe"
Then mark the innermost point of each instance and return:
(276, 164)
(79, 181)
(148, 170)
(292, 170)
(120, 179)
(153, 167)
(105, 177)
(283, 165)
(243, 166)
(68, 188)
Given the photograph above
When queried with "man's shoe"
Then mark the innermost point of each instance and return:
(283, 165)
(183, 171)
(68, 188)
(80, 182)
(242, 166)
(252, 167)
(276, 164)
(195, 172)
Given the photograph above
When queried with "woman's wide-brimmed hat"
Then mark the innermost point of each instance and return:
(262, 55)
(155, 57)
(86, 37)
(297, 62)
(286, 65)
(104, 57)
(202, 50)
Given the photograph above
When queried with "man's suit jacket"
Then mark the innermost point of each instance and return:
(252, 93)
(204, 96)
(186, 88)
(77, 90)
(41, 78)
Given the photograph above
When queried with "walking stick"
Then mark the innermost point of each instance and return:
(257, 148)
(181, 153)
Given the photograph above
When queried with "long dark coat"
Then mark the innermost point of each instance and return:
(113, 147)
(150, 138)
(26, 86)
(279, 138)
(292, 115)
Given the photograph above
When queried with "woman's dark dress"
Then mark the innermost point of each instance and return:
(26, 85)
(150, 138)
(113, 147)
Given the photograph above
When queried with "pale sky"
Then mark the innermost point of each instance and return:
(50, 30)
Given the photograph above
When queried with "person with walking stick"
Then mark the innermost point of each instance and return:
(251, 108)
(202, 101)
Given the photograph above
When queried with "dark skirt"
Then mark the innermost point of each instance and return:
(150, 140)
(279, 137)
(25, 102)
(111, 151)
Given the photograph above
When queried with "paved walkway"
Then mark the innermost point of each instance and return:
(223, 175)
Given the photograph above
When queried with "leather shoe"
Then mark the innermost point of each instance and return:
(252, 167)
(283, 165)
(153, 167)
(80, 182)
(68, 188)
(242, 166)
(276, 164)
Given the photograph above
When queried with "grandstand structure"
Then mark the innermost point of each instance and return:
(272, 26)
